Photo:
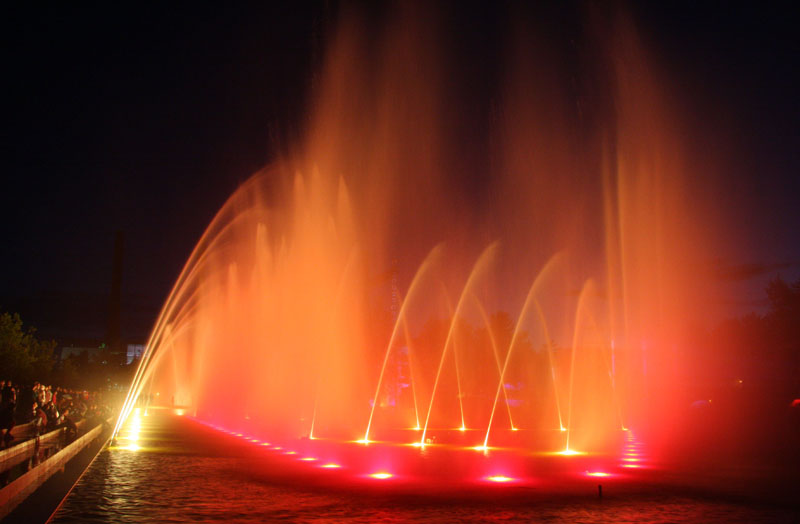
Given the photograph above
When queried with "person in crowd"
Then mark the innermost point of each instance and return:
(39, 419)
(70, 428)
(7, 409)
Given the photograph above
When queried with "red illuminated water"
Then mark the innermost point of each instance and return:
(186, 472)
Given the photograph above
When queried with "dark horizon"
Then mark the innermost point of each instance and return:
(144, 122)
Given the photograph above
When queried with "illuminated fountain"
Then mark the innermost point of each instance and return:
(355, 294)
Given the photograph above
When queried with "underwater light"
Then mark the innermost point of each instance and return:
(499, 478)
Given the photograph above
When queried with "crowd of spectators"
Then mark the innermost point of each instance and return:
(48, 408)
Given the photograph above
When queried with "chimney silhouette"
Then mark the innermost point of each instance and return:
(113, 334)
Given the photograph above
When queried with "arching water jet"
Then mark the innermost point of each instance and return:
(480, 265)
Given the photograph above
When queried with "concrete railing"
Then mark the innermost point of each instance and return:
(17, 453)
(18, 490)
(24, 431)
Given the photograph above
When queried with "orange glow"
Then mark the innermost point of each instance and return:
(597, 474)
(330, 465)
(381, 475)
(299, 258)
(308, 459)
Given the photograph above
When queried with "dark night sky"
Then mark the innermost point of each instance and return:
(144, 119)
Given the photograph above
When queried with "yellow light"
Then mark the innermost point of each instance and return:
(132, 447)
(569, 452)
(563, 428)
(363, 441)
(499, 478)
(597, 474)
(462, 428)
(290, 453)
(179, 412)
(514, 429)
(381, 475)
(308, 459)
(266, 444)
(480, 448)
(330, 465)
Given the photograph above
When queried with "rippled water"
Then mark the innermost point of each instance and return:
(180, 474)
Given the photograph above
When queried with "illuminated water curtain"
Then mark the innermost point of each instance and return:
(355, 291)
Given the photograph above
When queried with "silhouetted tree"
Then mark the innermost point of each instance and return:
(23, 357)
